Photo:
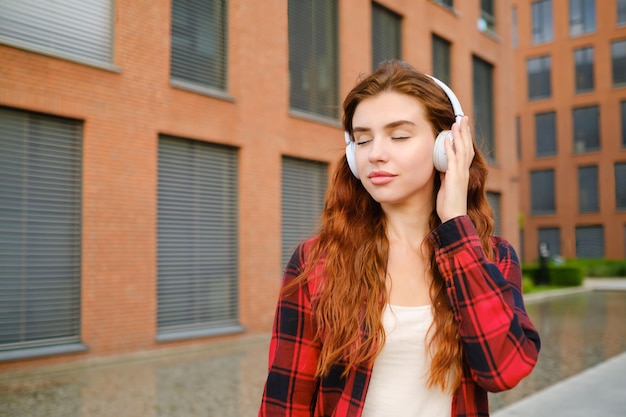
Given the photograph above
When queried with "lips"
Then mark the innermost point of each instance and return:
(380, 177)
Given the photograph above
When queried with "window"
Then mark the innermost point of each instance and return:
(197, 244)
(386, 35)
(583, 58)
(588, 189)
(200, 43)
(40, 224)
(582, 17)
(542, 21)
(77, 30)
(552, 237)
(586, 129)
(494, 201)
(303, 188)
(518, 137)
(313, 57)
(487, 15)
(542, 199)
(590, 242)
(441, 59)
(539, 77)
(545, 134)
(620, 185)
(484, 106)
(448, 3)
(618, 61)
(621, 12)
(623, 106)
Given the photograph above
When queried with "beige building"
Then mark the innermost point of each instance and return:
(159, 163)
(570, 57)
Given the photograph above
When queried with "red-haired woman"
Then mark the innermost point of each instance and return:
(404, 304)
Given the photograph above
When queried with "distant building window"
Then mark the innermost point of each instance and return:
(314, 57)
(623, 106)
(586, 129)
(590, 242)
(386, 35)
(588, 189)
(78, 30)
(583, 57)
(488, 15)
(552, 237)
(618, 59)
(484, 106)
(441, 59)
(199, 51)
(542, 21)
(448, 3)
(542, 199)
(518, 137)
(621, 12)
(620, 185)
(494, 201)
(539, 77)
(582, 17)
(545, 134)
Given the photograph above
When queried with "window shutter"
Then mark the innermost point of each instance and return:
(386, 35)
(542, 199)
(494, 201)
(552, 236)
(620, 185)
(197, 237)
(314, 57)
(200, 42)
(589, 242)
(40, 230)
(81, 29)
(303, 189)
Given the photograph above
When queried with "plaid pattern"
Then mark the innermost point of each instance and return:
(500, 342)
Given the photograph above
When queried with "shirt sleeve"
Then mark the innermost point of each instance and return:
(291, 386)
(500, 342)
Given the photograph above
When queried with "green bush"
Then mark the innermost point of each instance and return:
(560, 276)
(600, 267)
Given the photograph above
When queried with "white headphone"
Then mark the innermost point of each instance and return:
(439, 153)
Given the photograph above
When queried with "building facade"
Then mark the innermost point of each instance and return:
(160, 160)
(571, 78)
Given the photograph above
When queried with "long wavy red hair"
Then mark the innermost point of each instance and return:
(353, 246)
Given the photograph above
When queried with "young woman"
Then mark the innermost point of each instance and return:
(404, 304)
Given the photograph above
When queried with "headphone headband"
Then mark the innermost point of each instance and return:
(456, 104)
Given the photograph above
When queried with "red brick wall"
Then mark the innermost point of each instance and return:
(124, 112)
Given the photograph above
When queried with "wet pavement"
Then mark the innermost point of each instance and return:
(579, 331)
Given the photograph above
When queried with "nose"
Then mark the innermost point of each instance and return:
(378, 150)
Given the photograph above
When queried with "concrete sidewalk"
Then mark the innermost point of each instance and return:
(597, 391)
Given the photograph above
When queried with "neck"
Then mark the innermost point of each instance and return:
(408, 227)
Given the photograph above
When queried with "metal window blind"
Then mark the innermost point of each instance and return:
(303, 189)
(197, 236)
(589, 242)
(552, 236)
(441, 59)
(588, 189)
(484, 106)
(200, 42)
(386, 35)
(545, 134)
(494, 201)
(74, 28)
(542, 199)
(314, 57)
(40, 230)
(620, 185)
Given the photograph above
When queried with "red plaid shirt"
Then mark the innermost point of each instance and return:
(500, 342)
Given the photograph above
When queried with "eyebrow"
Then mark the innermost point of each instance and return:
(387, 126)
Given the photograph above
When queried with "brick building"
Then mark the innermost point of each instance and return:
(571, 75)
(160, 159)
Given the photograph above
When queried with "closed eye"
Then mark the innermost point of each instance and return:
(362, 142)
(399, 137)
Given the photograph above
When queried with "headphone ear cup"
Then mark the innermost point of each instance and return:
(440, 159)
(350, 148)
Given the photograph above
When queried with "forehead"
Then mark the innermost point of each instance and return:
(388, 107)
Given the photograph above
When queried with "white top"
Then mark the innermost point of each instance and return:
(398, 386)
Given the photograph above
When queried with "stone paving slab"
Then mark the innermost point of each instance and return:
(597, 391)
